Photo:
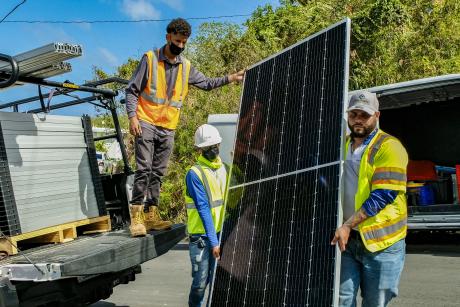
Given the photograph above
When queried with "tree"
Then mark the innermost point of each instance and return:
(392, 41)
(395, 40)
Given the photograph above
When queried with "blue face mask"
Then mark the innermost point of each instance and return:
(211, 153)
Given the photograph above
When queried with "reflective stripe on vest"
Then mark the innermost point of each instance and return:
(376, 146)
(176, 104)
(214, 204)
(380, 234)
(153, 85)
(393, 175)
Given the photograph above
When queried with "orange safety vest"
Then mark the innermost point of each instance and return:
(154, 105)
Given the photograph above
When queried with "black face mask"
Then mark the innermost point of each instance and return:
(176, 50)
(211, 153)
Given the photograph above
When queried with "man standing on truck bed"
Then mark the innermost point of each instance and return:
(205, 185)
(155, 95)
(374, 208)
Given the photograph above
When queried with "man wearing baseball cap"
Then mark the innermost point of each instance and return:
(372, 235)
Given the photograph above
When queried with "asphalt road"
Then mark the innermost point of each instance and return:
(431, 277)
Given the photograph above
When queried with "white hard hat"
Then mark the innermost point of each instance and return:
(207, 135)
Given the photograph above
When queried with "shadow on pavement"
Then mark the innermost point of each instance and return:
(437, 243)
(180, 247)
(107, 304)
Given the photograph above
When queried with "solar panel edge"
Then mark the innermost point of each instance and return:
(338, 254)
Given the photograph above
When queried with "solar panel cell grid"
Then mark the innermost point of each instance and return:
(282, 206)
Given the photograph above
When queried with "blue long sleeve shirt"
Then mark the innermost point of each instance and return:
(377, 200)
(197, 192)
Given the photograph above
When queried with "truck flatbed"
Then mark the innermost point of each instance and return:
(105, 253)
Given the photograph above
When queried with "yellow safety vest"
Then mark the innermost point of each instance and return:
(383, 166)
(234, 195)
(214, 182)
(154, 106)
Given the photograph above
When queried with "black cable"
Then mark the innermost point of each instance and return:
(121, 21)
(42, 102)
(13, 10)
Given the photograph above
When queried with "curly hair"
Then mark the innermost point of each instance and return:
(179, 26)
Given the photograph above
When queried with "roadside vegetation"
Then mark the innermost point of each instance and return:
(392, 41)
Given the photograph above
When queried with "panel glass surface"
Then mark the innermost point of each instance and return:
(282, 204)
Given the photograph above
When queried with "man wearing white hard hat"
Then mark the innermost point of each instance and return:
(205, 189)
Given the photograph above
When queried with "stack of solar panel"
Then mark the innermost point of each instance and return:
(48, 172)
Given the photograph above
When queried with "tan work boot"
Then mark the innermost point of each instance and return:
(152, 220)
(137, 227)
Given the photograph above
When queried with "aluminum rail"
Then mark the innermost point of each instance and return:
(64, 91)
(52, 70)
(66, 104)
(39, 58)
(433, 221)
(72, 86)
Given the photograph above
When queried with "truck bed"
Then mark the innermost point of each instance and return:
(441, 217)
(109, 252)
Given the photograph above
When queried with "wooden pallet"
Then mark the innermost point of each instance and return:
(56, 234)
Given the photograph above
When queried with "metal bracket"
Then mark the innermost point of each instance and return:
(28, 272)
(13, 77)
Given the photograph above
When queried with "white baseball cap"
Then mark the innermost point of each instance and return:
(364, 101)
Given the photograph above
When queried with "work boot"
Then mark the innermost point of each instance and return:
(152, 220)
(137, 227)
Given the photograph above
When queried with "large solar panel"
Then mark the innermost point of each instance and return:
(283, 200)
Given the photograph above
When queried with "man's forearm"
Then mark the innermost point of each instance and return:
(131, 104)
(199, 80)
(357, 218)
(135, 86)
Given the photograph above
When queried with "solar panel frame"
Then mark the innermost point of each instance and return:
(342, 155)
(297, 172)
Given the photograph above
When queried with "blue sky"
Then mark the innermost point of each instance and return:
(106, 45)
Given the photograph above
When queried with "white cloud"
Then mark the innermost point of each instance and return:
(84, 26)
(109, 57)
(50, 33)
(140, 9)
(177, 5)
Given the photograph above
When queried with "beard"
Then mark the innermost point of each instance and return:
(360, 131)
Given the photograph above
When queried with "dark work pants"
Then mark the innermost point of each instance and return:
(152, 155)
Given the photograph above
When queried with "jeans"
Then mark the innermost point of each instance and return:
(202, 268)
(152, 155)
(376, 273)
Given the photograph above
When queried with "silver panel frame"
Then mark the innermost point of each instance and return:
(38, 272)
(338, 254)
